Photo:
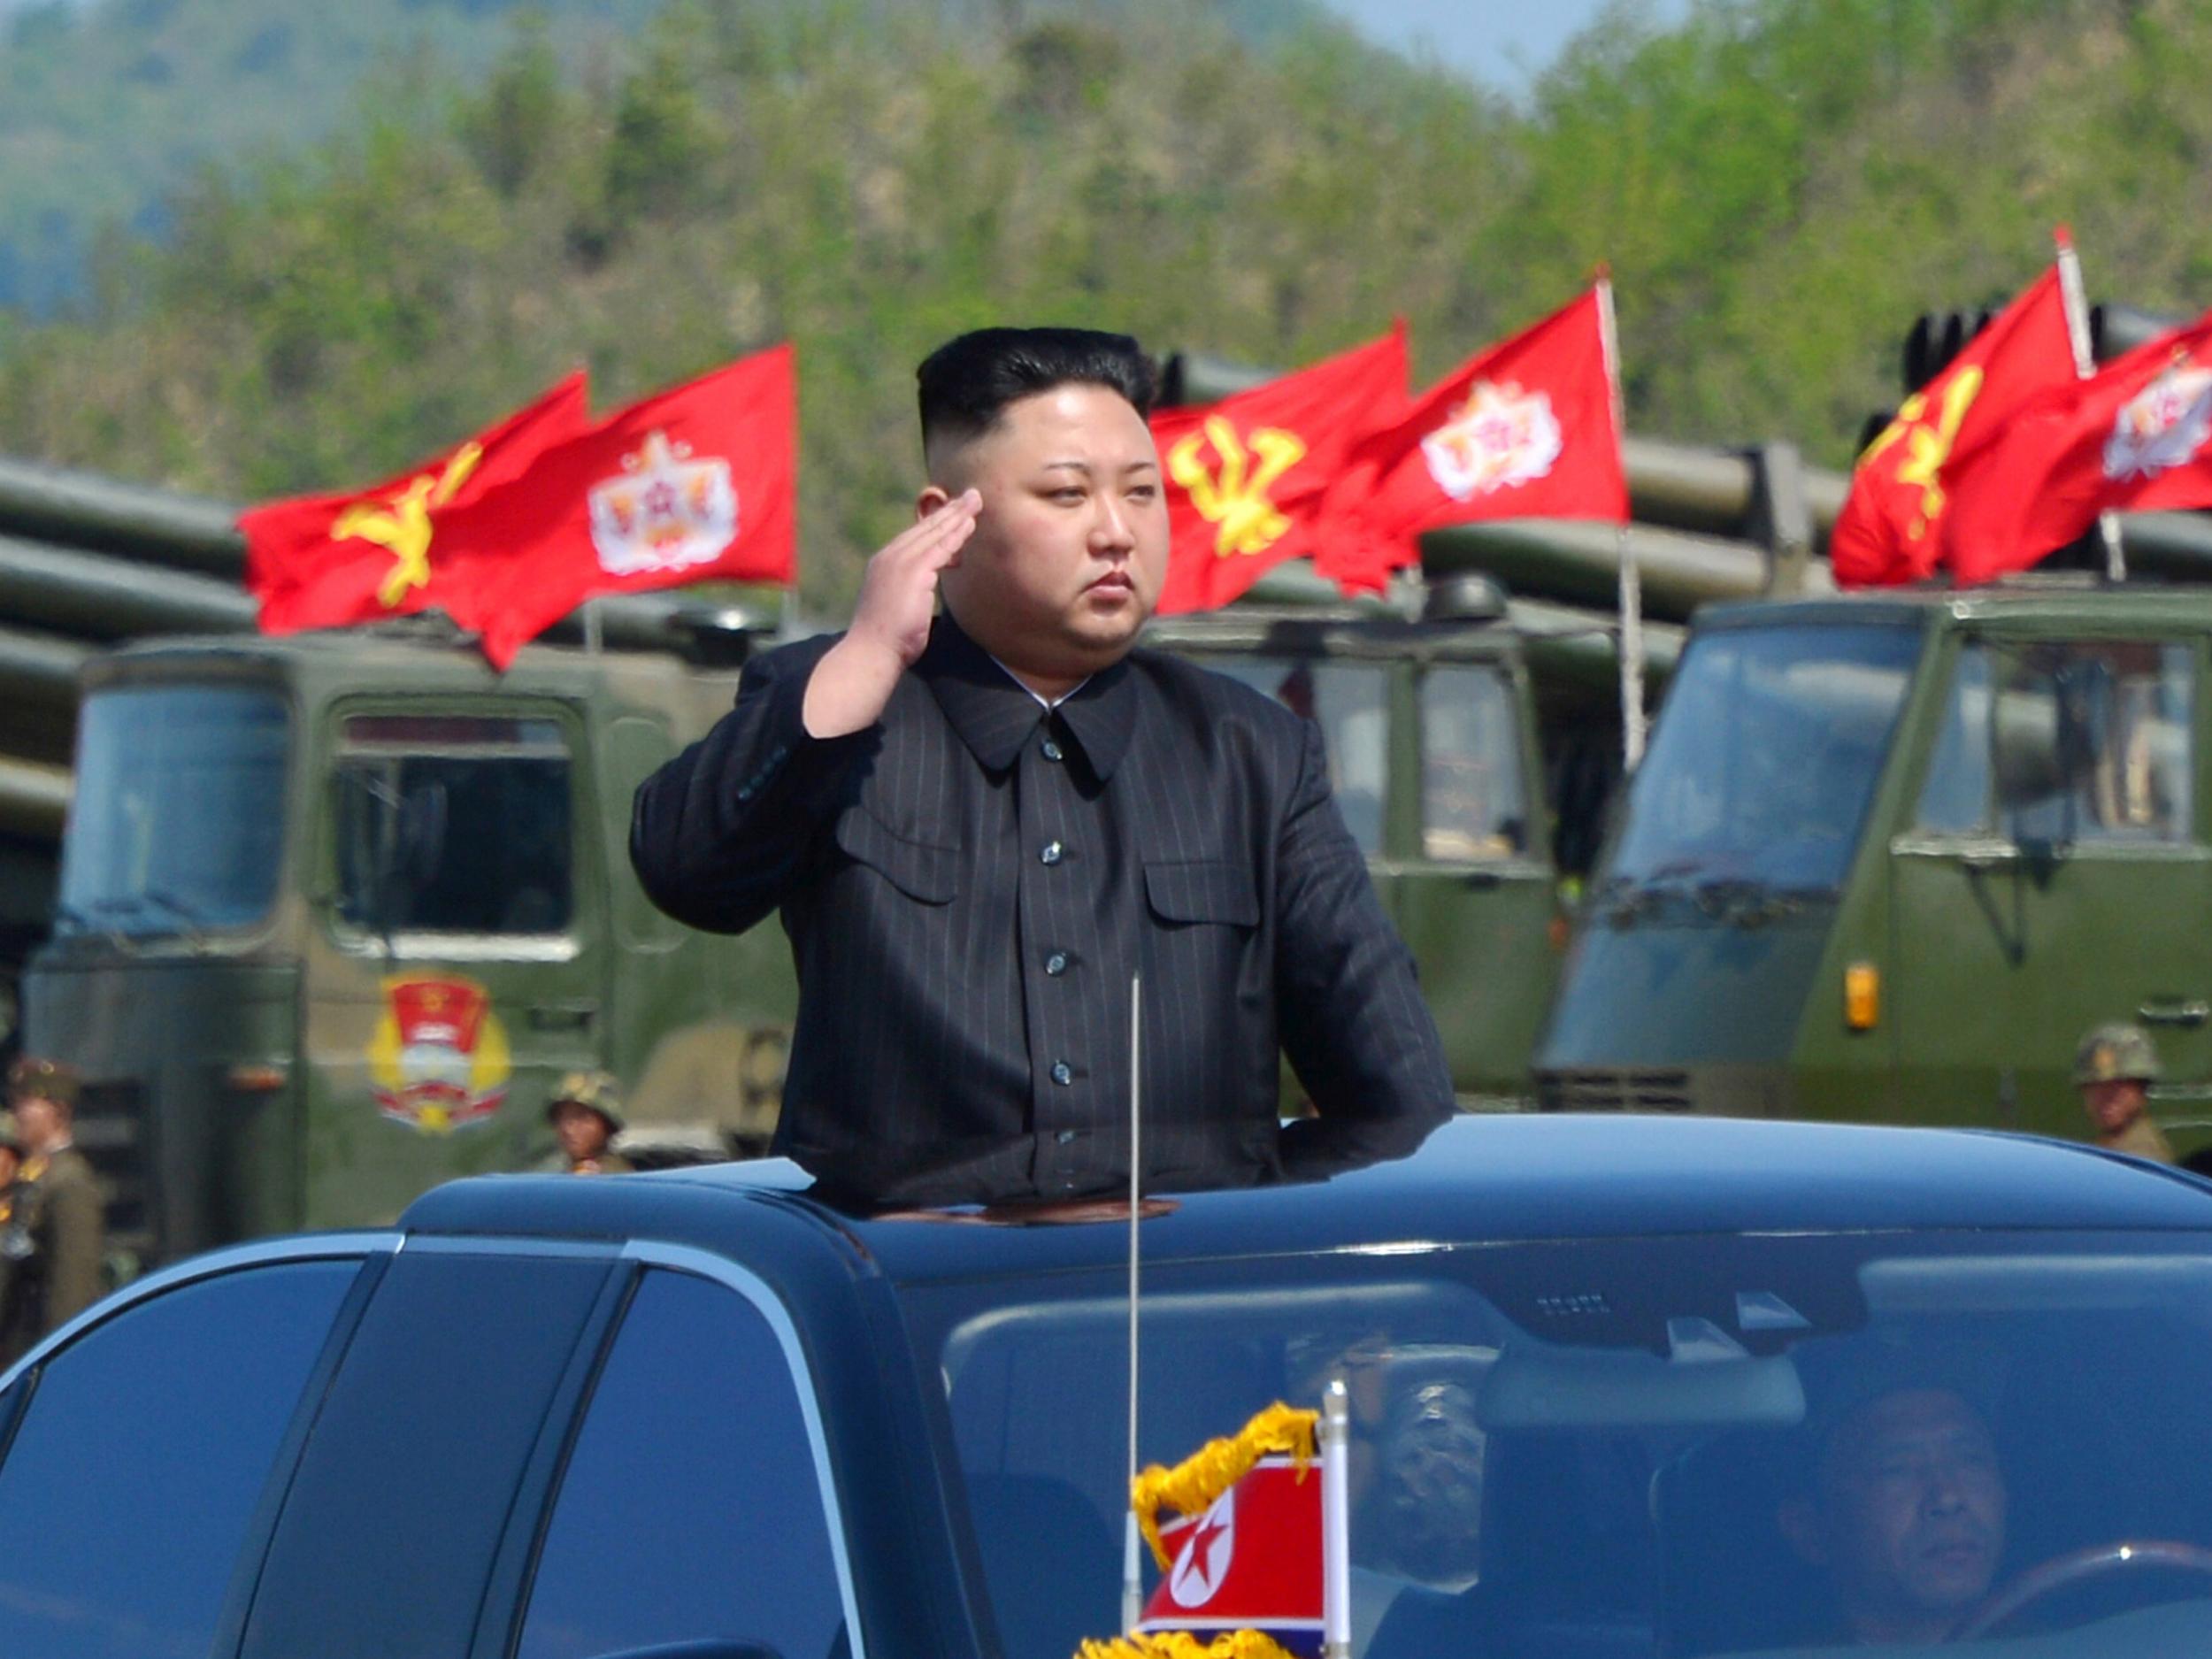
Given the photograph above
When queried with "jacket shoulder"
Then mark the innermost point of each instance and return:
(1216, 696)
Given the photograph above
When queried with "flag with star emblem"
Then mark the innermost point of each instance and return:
(1523, 429)
(1250, 1561)
(328, 561)
(696, 484)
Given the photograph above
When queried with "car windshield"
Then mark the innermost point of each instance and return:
(178, 824)
(1657, 1448)
(1764, 759)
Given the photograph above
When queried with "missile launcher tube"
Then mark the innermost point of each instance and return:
(33, 798)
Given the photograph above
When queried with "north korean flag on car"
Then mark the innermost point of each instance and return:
(2134, 437)
(1897, 522)
(1523, 429)
(326, 561)
(1250, 1561)
(696, 484)
(1248, 477)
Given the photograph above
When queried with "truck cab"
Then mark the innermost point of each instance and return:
(336, 912)
(1889, 857)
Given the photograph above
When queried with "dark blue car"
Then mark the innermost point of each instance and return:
(1621, 1388)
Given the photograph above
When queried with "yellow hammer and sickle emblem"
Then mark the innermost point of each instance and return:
(401, 526)
(1236, 498)
(1927, 447)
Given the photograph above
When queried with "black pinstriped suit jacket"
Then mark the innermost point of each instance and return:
(968, 886)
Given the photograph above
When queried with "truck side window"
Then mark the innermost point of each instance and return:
(690, 1508)
(452, 824)
(1349, 701)
(148, 1441)
(2066, 741)
(1473, 804)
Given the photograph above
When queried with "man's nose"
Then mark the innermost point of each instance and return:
(1945, 1490)
(1113, 530)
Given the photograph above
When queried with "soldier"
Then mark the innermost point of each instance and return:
(2114, 1068)
(586, 1112)
(56, 1233)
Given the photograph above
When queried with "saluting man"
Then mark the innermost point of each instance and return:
(980, 822)
(57, 1231)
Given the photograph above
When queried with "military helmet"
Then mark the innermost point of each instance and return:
(597, 1091)
(2115, 1052)
(31, 1078)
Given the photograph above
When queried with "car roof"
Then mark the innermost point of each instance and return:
(1481, 1178)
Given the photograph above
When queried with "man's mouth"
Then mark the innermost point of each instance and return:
(1112, 582)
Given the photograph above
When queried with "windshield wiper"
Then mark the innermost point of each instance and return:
(1742, 902)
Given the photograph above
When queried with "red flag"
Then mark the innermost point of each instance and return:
(1524, 429)
(1248, 477)
(2134, 437)
(1897, 523)
(1252, 1561)
(324, 561)
(696, 484)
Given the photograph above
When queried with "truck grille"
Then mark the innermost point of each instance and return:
(112, 1131)
(1608, 1089)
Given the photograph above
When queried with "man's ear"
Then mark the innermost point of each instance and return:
(1799, 1521)
(932, 498)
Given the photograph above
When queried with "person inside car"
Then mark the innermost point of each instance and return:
(1905, 1515)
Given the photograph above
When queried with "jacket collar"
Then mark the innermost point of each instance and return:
(994, 713)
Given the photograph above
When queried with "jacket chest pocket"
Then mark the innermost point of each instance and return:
(917, 869)
(1202, 891)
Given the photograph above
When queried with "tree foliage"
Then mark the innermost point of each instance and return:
(1778, 185)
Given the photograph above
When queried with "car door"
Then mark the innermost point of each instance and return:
(695, 1506)
(2055, 874)
(144, 1451)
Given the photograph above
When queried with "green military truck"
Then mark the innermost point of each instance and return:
(1889, 857)
(336, 912)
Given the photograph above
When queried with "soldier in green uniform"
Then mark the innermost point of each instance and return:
(2114, 1068)
(57, 1231)
(586, 1112)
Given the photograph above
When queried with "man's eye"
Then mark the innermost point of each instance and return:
(1143, 492)
(1067, 493)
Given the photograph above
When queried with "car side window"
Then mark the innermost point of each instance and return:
(128, 1492)
(690, 1510)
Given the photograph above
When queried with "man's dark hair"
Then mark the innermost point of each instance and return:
(965, 383)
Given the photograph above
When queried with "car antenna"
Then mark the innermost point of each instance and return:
(1131, 1578)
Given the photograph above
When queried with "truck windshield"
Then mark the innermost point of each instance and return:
(178, 824)
(1764, 759)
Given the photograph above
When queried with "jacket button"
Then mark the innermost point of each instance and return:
(1052, 749)
(1051, 854)
(1066, 1137)
(1063, 1073)
(1056, 964)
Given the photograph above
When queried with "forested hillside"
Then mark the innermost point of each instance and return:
(1778, 185)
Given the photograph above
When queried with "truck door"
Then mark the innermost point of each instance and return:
(1471, 887)
(2055, 874)
(455, 972)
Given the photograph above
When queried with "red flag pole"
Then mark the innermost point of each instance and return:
(2075, 303)
(1632, 583)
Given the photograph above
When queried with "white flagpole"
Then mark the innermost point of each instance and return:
(1336, 1524)
(1632, 583)
(1131, 1572)
(2075, 303)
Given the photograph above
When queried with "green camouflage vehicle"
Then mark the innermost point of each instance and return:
(1888, 857)
(336, 912)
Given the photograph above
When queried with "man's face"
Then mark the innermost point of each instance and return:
(1071, 549)
(2114, 1105)
(581, 1131)
(38, 1120)
(1912, 1513)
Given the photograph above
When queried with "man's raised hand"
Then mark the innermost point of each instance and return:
(853, 682)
